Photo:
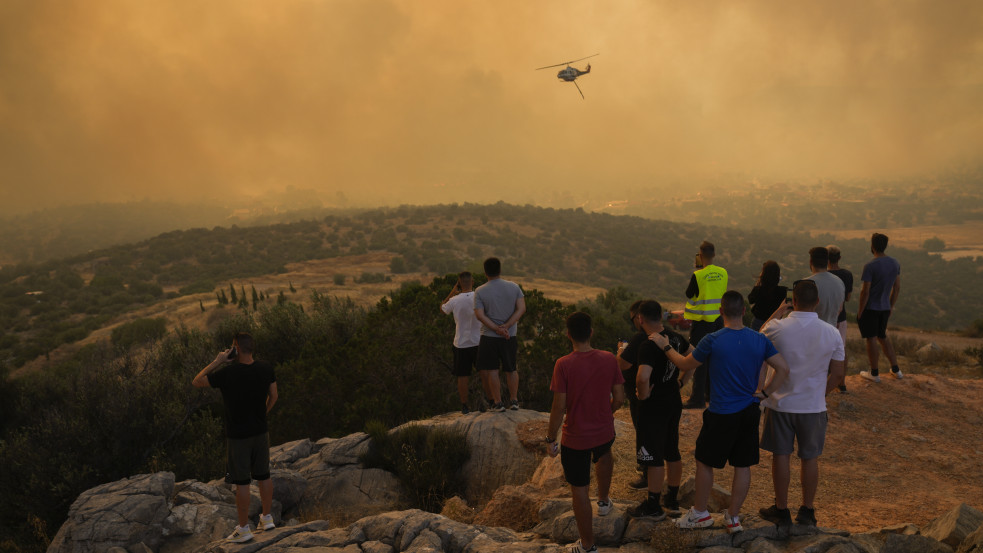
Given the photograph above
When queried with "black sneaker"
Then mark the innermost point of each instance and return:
(648, 509)
(671, 505)
(464, 409)
(842, 388)
(806, 516)
(781, 517)
(515, 405)
(641, 483)
(498, 407)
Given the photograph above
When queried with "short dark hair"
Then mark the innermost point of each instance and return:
(819, 257)
(579, 326)
(493, 267)
(878, 242)
(650, 310)
(244, 342)
(834, 253)
(806, 293)
(706, 249)
(464, 276)
(634, 308)
(732, 303)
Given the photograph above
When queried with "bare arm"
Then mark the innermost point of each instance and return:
(201, 380)
(556, 418)
(776, 362)
(685, 375)
(686, 363)
(454, 291)
(643, 385)
(520, 310)
(836, 371)
(271, 396)
(895, 291)
(864, 296)
(617, 397)
(489, 324)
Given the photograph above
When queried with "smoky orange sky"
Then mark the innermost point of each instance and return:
(387, 102)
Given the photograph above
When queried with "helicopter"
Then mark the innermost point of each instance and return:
(570, 74)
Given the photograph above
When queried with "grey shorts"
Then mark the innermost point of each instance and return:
(782, 430)
(249, 459)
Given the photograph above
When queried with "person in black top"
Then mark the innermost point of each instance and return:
(766, 295)
(847, 277)
(627, 354)
(249, 391)
(660, 406)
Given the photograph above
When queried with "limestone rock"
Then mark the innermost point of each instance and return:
(549, 473)
(356, 490)
(286, 454)
(973, 542)
(927, 351)
(953, 527)
(288, 487)
(608, 530)
(117, 514)
(900, 543)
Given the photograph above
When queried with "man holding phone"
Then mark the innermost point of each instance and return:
(460, 303)
(249, 391)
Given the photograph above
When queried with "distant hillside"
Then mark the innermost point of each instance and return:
(43, 306)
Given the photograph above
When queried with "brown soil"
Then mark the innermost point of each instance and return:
(902, 451)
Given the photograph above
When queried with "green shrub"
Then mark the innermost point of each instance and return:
(339, 279)
(426, 459)
(139, 331)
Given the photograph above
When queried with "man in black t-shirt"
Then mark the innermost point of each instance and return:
(847, 277)
(659, 408)
(627, 355)
(249, 391)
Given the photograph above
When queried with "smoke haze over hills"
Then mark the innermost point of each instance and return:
(372, 102)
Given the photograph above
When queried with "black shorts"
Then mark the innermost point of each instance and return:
(873, 324)
(729, 438)
(464, 360)
(658, 438)
(576, 462)
(495, 352)
(248, 457)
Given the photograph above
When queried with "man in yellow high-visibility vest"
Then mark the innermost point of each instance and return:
(706, 287)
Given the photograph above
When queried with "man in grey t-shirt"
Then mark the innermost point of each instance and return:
(498, 304)
(831, 288)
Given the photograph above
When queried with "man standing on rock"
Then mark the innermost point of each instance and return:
(878, 294)
(706, 287)
(660, 408)
(587, 389)
(460, 302)
(796, 411)
(249, 391)
(627, 357)
(735, 358)
(499, 304)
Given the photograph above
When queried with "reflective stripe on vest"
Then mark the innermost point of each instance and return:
(712, 283)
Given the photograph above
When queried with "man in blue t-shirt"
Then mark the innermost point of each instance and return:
(878, 294)
(735, 357)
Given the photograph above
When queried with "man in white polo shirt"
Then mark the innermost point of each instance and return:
(796, 411)
(460, 302)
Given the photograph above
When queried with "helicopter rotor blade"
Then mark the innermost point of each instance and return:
(578, 90)
(568, 62)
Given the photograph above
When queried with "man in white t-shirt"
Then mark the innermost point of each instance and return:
(796, 411)
(460, 302)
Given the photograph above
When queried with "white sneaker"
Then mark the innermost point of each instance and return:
(579, 548)
(692, 519)
(733, 524)
(898, 374)
(870, 377)
(603, 507)
(241, 534)
(265, 523)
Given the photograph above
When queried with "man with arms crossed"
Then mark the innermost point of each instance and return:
(498, 304)
(847, 277)
(796, 411)
(735, 358)
(588, 387)
(249, 391)
(460, 302)
(878, 294)
(706, 286)
(659, 410)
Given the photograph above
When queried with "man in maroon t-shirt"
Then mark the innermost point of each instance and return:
(587, 385)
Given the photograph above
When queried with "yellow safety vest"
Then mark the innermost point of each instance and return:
(712, 281)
